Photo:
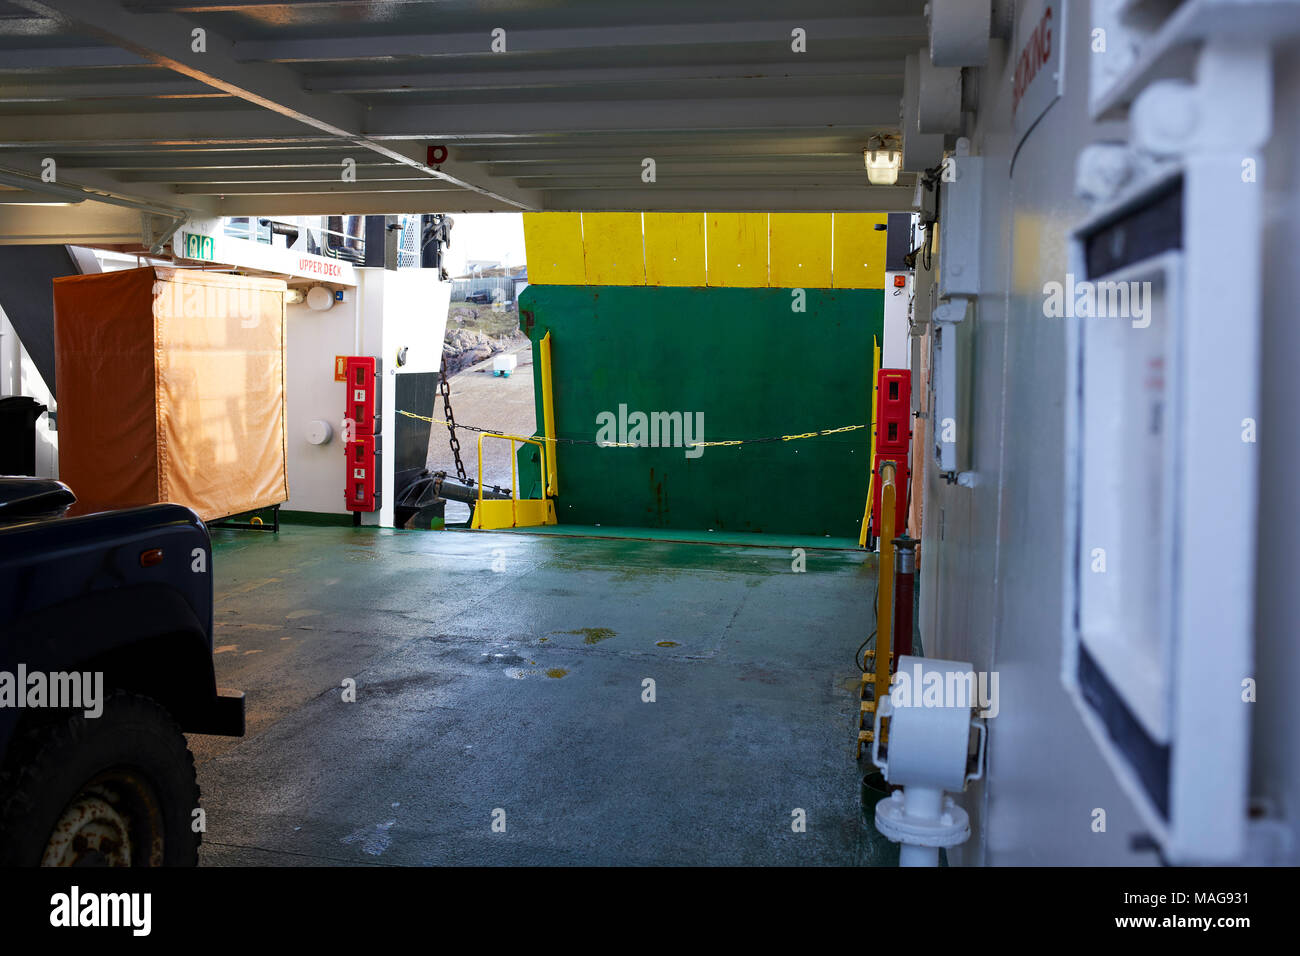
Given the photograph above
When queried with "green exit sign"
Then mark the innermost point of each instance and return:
(199, 247)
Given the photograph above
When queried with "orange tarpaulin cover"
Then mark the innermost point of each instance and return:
(171, 388)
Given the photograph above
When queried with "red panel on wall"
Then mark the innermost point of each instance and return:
(893, 441)
(361, 393)
(361, 465)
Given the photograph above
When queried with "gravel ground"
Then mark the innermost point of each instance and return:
(480, 398)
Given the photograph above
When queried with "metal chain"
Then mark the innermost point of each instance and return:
(445, 387)
(452, 425)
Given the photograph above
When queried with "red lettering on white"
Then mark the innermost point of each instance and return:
(1033, 56)
(319, 267)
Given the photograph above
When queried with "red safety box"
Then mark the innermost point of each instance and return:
(362, 468)
(893, 443)
(893, 409)
(362, 393)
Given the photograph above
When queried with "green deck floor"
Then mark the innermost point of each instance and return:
(506, 671)
(720, 538)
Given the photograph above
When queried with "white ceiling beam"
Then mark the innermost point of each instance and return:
(811, 113)
(46, 59)
(718, 121)
(631, 195)
(87, 223)
(309, 146)
(675, 166)
(551, 177)
(18, 91)
(369, 204)
(13, 26)
(198, 127)
(31, 164)
(319, 188)
(434, 46)
(391, 173)
(864, 199)
(165, 39)
(777, 141)
(458, 80)
(29, 197)
(573, 39)
(737, 144)
(635, 190)
(158, 166)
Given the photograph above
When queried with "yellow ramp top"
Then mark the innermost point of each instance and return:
(737, 249)
(614, 252)
(800, 250)
(553, 244)
(842, 250)
(859, 250)
(674, 248)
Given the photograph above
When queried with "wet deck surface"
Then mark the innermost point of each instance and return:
(505, 672)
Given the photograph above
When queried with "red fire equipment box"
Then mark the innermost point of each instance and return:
(893, 442)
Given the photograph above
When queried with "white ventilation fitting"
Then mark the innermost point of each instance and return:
(959, 32)
(921, 151)
(320, 298)
(928, 753)
(938, 107)
(319, 432)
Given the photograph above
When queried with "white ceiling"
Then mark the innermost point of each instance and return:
(261, 122)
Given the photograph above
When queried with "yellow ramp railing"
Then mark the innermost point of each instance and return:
(513, 512)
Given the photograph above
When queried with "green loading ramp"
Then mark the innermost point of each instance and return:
(742, 357)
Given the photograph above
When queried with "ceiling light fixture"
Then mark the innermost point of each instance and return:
(882, 166)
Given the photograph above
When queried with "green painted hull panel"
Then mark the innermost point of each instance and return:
(744, 359)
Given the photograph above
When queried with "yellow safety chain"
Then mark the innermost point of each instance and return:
(626, 444)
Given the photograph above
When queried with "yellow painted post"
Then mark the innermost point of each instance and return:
(871, 459)
(871, 462)
(548, 417)
(514, 487)
(876, 663)
(885, 589)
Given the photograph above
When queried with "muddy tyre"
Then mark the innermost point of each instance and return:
(115, 790)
